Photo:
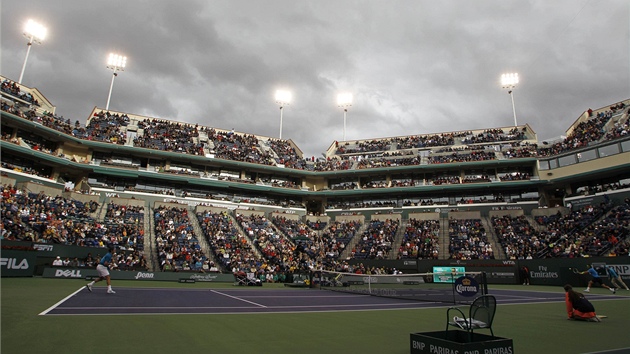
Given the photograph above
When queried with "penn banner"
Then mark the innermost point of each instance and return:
(18, 263)
(90, 273)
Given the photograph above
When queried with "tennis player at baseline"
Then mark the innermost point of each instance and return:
(103, 271)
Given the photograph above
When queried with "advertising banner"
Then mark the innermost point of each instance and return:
(18, 263)
(83, 273)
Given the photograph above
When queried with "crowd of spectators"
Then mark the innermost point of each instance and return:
(278, 251)
(41, 218)
(287, 246)
(169, 136)
(13, 89)
(287, 155)
(231, 249)
(463, 157)
(420, 240)
(476, 179)
(423, 141)
(520, 150)
(336, 237)
(585, 133)
(105, 127)
(44, 219)
(583, 232)
(42, 172)
(184, 138)
(177, 245)
(406, 182)
(516, 176)
(333, 164)
(387, 162)
(604, 235)
(340, 204)
(495, 135)
(376, 241)
(619, 129)
(423, 202)
(517, 237)
(363, 146)
(316, 225)
(468, 240)
(445, 180)
(127, 222)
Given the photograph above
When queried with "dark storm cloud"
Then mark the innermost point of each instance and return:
(414, 67)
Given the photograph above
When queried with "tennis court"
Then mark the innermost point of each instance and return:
(130, 300)
(42, 315)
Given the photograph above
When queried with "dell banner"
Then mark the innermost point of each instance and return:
(17, 263)
(89, 273)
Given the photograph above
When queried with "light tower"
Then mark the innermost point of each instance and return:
(508, 82)
(35, 32)
(116, 63)
(344, 100)
(283, 98)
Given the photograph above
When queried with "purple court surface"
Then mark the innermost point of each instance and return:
(129, 301)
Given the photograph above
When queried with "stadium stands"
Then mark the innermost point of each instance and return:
(257, 191)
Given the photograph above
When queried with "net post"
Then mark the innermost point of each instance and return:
(453, 288)
(311, 276)
(484, 282)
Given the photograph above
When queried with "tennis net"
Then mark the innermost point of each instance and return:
(453, 288)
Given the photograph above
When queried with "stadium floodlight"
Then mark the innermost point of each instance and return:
(508, 82)
(116, 63)
(35, 32)
(283, 98)
(344, 100)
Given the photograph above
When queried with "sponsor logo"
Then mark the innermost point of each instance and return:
(507, 208)
(502, 274)
(466, 286)
(142, 275)
(43, 247)
(68, 273)
(543, 273)
(621, 269)
(206, 277)
(12, 263)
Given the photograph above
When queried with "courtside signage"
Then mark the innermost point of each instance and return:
(89, 273)
(456, 342)
(68, 273)
(17, 263)
(12, 263)
(466, 286)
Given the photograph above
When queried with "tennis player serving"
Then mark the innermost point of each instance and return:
(103, 270)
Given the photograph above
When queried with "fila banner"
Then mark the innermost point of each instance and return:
(17, 263)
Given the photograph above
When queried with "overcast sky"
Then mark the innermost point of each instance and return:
(414, 67)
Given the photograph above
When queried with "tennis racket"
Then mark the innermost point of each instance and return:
(575, 270)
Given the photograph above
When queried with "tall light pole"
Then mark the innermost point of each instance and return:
(344, 100)
(116, 63)
(508, 82)
(35, 33)
(283, 98)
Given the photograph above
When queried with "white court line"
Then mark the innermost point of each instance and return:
(60, 302)
(226, 307)
(238, 298)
